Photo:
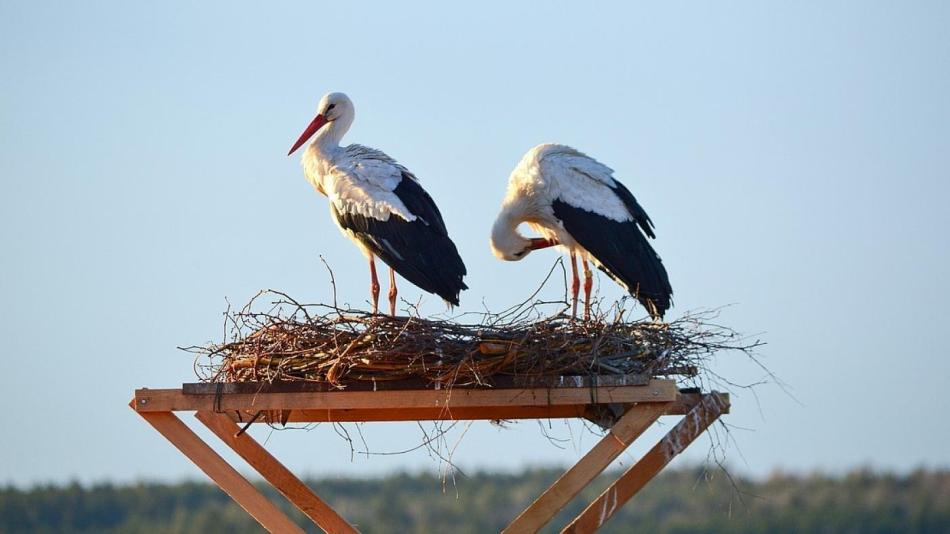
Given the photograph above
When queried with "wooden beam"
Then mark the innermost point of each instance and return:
(614, 497)
(160, 400)
(274, 472)
(229, 480)
(637, 419)
(683, 404)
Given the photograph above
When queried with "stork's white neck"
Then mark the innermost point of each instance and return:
(328, 138)
(323, 152)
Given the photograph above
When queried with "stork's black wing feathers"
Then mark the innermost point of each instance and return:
(419, 203)
(420, 250)
(634, 207)
(622, 252)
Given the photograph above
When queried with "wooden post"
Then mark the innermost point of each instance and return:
(225, 476)
(274, 472)
(614, 497)
(638, 418)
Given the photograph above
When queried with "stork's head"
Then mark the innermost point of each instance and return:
(508, 244)
(333, 107)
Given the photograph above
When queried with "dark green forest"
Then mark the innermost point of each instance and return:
(678, 501)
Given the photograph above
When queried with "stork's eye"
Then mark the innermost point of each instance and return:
(331, 106)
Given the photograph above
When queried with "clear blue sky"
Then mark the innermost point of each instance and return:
(795, 159)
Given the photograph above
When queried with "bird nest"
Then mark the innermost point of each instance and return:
(277, 339)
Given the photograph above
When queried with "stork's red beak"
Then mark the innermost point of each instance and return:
(538, 243)
(317, 123)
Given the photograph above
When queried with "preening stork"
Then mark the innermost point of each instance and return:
(379, 205)
(574, 201)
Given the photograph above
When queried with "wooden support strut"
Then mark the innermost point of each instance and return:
(225, 476)
(634, 479)
(274, 472)
(628, 428)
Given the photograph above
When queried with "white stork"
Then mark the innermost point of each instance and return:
(574, 201)
(379, 205)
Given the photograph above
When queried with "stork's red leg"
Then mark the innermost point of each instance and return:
(588, 284)
(374, 284)
(392, 292)
(575, 285)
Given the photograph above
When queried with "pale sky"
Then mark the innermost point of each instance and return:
(795, 159)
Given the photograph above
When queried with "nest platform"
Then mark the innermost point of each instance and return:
(625, 404)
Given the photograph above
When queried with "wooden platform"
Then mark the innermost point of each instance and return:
(628, 405)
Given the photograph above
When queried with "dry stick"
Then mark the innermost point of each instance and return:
(332, 279)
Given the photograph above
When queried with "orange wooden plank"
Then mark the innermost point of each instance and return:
(683, 404)
(614, 497)
(242, 491)
(637, 419)
(148, 400)
(274, 472)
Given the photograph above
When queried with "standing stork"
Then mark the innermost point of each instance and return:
(574, 201)
(379, 205)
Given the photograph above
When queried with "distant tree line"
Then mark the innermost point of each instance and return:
(679, 501)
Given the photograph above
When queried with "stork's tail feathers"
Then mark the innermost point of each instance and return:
(655, 298)
(653, 290)
(453, 299)
(447, 283)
